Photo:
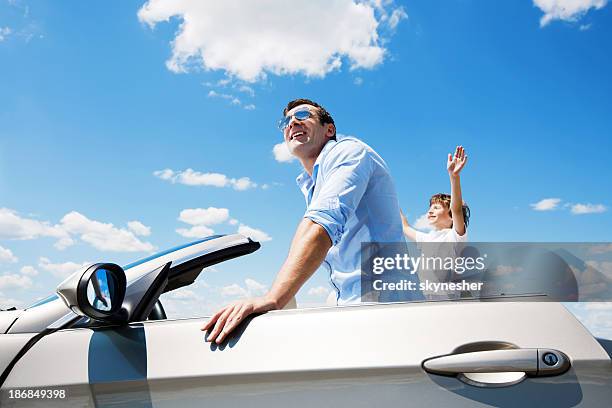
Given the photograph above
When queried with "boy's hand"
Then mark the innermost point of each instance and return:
(457, 162)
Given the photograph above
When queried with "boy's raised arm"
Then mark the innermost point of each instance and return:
(454, 165)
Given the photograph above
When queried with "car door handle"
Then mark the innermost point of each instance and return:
(533, 362)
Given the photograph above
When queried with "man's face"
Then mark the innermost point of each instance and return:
(306, 138)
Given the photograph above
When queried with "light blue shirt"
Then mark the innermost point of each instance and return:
(351, 195)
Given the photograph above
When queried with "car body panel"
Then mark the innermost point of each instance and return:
(10, 346)
(7, 318)
(357, 356)
(36, 319)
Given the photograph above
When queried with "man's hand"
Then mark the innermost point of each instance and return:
(226, 319)
(455, 163)
(308, 249)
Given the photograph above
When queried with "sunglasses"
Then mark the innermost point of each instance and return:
(300, 115)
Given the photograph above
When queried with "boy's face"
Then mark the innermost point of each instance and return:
(439, 217)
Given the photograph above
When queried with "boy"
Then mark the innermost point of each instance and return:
(448, 214)
(449, 217)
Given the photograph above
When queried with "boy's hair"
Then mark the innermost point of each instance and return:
(322, 114)
(445, 200)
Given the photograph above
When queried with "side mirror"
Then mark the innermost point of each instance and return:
(97, 292)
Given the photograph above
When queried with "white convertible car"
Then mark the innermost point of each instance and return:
(103, 340)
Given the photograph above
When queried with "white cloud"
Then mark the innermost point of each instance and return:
(99, 235)
(550, 204)
(588, 208)
(64, 243)
(231, 98)
(397, 15)
(191, 177)
(243, 183)
(255, 288)
(13, 226)
(600, 249)
(595, 316)
(547, 204)
(234, 290)
(200, 284)
(422, 223)
(103, 236)
(6, 255)
(507, 269)
(223, 36)
(566, 10)
(61, 270)
(358, 81)
(184, 295)
(332, 299)
(255, 234)
(201, 219)
(319, 291)
(4, 33)
(247, 90)
(282, 154)
(185, 302)
(28, 270)
(13, 281)
(252, 288)
(138, 228)
(204, 216)
(5, 302)
(598, 306)
(197, 231)
(165, 174)
(234, 100)
(604, 267)
(222, 83)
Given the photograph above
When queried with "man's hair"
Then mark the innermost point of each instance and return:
(322, 113)
(445, 200)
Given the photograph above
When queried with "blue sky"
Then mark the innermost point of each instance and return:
(96, 97)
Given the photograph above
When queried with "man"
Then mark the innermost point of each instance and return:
(350, 199)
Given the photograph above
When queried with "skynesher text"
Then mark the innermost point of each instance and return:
(405, 285)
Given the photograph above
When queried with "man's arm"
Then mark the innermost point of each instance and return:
(409, 232)
(454, 166)
(308, 250)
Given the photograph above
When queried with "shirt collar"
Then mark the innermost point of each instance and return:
(304, 180)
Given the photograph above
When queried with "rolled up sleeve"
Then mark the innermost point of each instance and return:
(346, 173)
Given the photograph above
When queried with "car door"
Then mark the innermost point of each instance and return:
(373, 355)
